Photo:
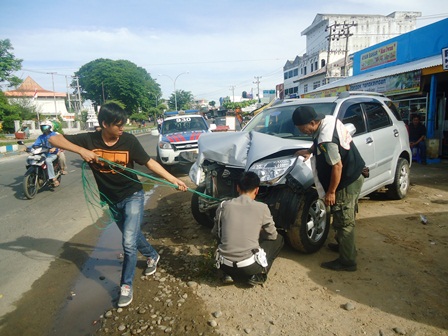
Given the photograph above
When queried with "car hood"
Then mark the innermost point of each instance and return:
(242, 149)
(182, 136)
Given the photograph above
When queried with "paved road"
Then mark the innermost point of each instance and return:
(33, 231)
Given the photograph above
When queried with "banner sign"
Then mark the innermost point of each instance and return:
(407, 82)
(380, 56)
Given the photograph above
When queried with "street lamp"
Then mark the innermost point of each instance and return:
(174, 83)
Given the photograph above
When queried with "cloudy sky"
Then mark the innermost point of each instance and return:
(222, 44)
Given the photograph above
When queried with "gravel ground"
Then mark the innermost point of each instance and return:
(400, 287)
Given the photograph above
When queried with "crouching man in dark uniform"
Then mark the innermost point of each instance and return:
(337, 169)
(248, 239)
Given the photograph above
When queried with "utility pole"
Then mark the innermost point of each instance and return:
(345, 33)
(68, 94)
(102, 88)
(331, 29)
(79, 95)
(232, 88)
(336, 32)
(54, 94)
(257, 81)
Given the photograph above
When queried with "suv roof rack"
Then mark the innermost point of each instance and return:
(346, 94)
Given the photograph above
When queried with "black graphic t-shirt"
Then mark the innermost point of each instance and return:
(114, 184)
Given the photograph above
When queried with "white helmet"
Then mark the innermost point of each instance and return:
(45, 126)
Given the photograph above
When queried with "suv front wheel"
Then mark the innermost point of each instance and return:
(310, 230)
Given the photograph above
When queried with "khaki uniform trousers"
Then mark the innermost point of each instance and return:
(344, 220)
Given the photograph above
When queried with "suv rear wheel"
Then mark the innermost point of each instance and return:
(399, 188)
(310, 229)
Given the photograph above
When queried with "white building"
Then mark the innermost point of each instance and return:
(331, 38)
(48, 104)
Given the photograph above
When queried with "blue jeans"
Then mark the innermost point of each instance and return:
(49, 161)
(128, 215)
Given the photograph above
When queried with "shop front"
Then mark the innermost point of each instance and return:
(410, 69)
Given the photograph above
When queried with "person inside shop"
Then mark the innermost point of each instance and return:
(417, 136)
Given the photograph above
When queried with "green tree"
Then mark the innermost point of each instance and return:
(14, 111)
(104, 80)
(185, 100)
(212, 103)
(8, 64)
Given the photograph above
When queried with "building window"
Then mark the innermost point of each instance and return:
(311, 67)
(315, 65)
(296, 72)
(305, 88)
(316, 85)
(296, 89)
(304, 70)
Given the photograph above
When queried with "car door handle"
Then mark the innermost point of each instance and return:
(369, 140)
(396, 133)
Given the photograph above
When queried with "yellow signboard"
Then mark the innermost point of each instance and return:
(380, 56)
(325, 93)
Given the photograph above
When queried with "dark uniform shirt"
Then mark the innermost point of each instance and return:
(416, 132)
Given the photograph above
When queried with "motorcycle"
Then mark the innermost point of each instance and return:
(36, 176)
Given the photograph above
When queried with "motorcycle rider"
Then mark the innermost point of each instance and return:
(52, 154)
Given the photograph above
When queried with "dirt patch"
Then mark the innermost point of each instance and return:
(399, 288)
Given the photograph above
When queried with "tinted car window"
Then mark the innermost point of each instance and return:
(377, 116)
(353, 114)
(278, 121)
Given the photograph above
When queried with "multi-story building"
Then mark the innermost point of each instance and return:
(331, 38)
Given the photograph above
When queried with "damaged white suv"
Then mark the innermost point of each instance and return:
(267, 145)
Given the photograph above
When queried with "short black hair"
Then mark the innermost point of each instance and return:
(248, 181)
(112, 114)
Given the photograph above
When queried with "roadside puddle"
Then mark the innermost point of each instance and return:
(96, 288)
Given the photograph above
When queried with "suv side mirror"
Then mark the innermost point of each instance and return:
(350, 128)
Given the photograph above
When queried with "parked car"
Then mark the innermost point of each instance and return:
(267, 144)
(226, 123)
(178, 139)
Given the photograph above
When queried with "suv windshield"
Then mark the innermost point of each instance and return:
(183, 124)
(277, 120)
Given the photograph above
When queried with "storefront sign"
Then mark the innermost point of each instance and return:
(325, 93)
(407, 82)
(445, 58)
(376, 57)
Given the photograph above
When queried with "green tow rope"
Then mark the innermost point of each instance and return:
(99, 202)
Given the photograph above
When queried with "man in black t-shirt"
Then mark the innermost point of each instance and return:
(417, 136)
(120, 189)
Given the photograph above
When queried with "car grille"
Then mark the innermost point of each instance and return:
(185, 145)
